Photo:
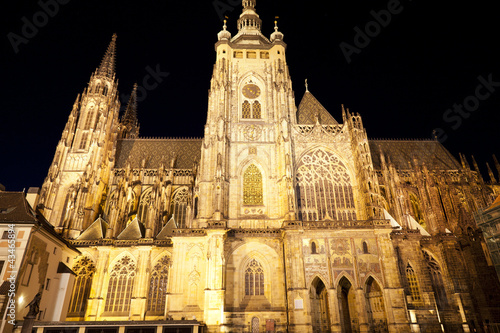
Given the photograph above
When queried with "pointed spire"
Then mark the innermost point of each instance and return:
(497, 165)
(476, 168)
(129, 118)
(490, 173)
(107, 67)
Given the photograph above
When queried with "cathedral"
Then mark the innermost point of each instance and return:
(281, 218)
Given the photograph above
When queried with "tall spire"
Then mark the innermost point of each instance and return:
(249, 20)
(107, 67)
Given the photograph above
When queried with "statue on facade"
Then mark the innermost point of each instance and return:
(34, 305)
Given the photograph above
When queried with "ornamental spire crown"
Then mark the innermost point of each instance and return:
(249, 20)
(107, 67)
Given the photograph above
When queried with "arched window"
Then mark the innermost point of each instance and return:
(324, 188)
(90, 116)
(365, 248)
(256, 110)
(246, 110)
(84, 270)
(413, 283)
(249, 111)
(158, 286)
(252, 186)
(105, 90)
(436, 280)
(313, 248)
(144, 204)
(121, 283)
(254, 279)
(179, 205)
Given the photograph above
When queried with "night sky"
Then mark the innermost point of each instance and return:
(428, 58)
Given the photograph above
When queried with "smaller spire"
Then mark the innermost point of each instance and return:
(129, 118)
(107, 67)
(224, 34)
(497, 165)
(307, 86)
(490, 173)
(476, 168)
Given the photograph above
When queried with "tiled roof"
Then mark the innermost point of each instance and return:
(402, 152)
(15, 208)
(158, 151)
(309, 107)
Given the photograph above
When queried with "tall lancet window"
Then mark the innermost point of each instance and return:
(413, 286)
(144, 205)
(158, 286)
(84, 270)
(246, 111)
(179, 205)
(90, 116)
(252, 186)
(83, 140)
(256, 113)
(254, 279)
(324, 189)
(121, 283)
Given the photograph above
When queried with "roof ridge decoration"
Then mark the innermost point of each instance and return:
(310, 111)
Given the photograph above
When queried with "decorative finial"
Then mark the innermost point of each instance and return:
(307, 86)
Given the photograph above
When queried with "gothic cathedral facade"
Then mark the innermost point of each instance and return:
(279, 219)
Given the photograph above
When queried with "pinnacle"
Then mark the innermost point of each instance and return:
(107, 67)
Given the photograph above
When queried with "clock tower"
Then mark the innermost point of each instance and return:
(245, 169)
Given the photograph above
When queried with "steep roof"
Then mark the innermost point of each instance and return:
(15, 208)
(309, 107)
(158, 151)
(402, 152)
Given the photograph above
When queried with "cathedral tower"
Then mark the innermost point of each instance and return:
(245, 166)
(77, 179)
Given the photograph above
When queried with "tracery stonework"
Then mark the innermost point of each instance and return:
(324, 188)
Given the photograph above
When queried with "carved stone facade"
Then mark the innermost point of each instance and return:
(279, 217)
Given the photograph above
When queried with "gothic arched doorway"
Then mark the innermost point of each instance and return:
(376, 306)
(347, 302)
(320, 313)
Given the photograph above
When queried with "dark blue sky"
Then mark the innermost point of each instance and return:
(429, 57)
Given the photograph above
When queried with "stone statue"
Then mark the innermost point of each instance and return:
(34, 305)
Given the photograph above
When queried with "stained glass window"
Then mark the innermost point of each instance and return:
(413, 283)
(158, 286)
(324, 188)
(245, 110)
(121, 283)
(84, 270)
(256, 113)
(179, 206)
(252, 186)
(254, 279)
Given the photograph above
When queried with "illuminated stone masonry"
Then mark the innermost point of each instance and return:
(280, 219)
